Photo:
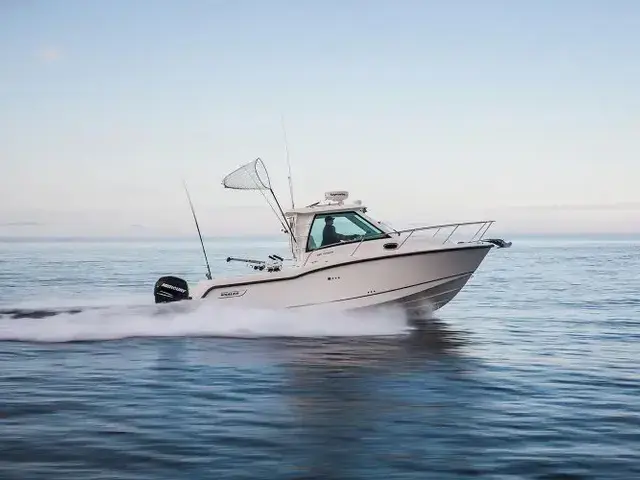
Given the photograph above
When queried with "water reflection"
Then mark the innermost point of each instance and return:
(349, 395)
(431, 339)
(332, 407)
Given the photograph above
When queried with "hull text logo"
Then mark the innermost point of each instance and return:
(232, 293)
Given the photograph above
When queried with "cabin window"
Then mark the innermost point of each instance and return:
(343, 227)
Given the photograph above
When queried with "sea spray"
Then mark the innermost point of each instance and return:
(193, 319)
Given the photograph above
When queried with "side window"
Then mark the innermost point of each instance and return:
(341, 227)
(315, 235)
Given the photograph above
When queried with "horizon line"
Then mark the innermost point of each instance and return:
(276, 237)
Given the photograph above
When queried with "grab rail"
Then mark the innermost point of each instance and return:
(484, 226)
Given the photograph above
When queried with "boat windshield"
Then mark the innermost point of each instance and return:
(334, 228)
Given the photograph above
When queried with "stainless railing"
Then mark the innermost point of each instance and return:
(482, 230)
(484, 226)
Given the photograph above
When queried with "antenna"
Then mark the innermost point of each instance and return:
(286, 147)
(195, 219)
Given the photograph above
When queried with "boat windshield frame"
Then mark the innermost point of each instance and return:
(376, 233)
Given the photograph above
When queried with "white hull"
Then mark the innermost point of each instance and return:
(342, 258)
(414, 280)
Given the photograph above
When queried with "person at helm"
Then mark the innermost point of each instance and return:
(330, 236)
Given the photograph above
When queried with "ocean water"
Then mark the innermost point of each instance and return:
(532, 372)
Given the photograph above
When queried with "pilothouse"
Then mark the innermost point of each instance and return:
(342, 258)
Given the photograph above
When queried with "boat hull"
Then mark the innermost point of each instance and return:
(415, 281)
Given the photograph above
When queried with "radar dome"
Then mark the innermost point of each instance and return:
(336, 196)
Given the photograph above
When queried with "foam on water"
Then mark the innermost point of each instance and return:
(189, 319)
(77, 301)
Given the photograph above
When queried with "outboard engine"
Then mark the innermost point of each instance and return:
(171, 289)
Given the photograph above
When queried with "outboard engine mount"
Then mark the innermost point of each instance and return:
(171, 289)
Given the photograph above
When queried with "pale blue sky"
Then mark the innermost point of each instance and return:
(427, 111)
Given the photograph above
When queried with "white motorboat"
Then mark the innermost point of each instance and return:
(342, 258)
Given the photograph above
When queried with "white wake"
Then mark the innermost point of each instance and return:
(194, 319)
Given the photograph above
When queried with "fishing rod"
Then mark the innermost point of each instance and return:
(261, 264)
(245, 260)
(195, 219)
(286, 147)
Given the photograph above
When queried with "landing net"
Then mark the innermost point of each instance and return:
(251, 176)
(254, 176)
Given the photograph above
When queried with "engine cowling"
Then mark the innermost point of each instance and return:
(171, 289)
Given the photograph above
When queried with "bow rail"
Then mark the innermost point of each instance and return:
(483, 227)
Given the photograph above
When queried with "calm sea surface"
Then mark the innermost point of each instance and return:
(533, 371)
